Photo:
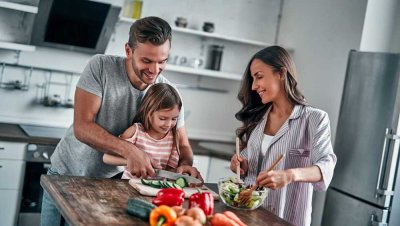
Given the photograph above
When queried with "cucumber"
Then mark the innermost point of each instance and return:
(181, 181)
(160, 184)
(156, 183)
(139, 208)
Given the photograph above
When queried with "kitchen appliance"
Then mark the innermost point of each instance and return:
(37, 162)
(76, 25)
(365, 189)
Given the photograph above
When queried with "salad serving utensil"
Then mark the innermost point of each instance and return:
(238, 166)
(245, 195)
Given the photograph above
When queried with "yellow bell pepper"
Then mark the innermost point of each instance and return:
(162, 216)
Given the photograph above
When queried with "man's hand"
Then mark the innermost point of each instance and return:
(192, 171)
(139, 164)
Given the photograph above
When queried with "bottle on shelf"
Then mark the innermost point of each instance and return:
(132, 9)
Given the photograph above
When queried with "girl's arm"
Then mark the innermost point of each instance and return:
(128, 133)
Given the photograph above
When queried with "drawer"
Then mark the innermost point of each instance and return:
(9, 207)
(11, 174)
(12, 150)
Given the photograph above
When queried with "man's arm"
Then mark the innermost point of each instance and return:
(186, 156)
(186, 153)
(86, 130)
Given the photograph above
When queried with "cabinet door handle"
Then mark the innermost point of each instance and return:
(1, 166)
(2, 148)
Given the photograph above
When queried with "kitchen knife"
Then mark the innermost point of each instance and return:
(174, 176)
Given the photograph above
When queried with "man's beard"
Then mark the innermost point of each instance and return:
(141, 75)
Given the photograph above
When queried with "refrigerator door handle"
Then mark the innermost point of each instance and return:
(374, 221)
(383, 165)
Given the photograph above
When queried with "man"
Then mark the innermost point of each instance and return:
(106, 100)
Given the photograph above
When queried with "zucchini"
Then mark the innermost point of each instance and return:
(139, 208)
(181, 181)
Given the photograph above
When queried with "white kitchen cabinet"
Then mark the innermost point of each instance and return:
(12, 168)
(16, 33)
(9, 207)
(218, 168)
(201, 162)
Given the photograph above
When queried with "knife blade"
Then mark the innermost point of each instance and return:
(174, 176)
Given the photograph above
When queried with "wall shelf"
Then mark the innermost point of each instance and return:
(16, 46)
(203, 72)
(19, 7)
(206, 34)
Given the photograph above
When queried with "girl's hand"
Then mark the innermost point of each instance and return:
(244, 165)
(275, 179)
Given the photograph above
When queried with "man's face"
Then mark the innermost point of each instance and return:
(148, 61)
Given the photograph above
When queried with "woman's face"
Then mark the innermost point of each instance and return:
(267, 83)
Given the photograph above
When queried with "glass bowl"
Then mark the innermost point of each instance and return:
(229, 190)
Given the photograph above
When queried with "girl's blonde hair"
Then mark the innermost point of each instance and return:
(159, 96)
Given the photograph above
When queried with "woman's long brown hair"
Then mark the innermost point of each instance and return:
(253, 109)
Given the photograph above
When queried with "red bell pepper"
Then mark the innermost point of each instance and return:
(169, 197)
(204, 200)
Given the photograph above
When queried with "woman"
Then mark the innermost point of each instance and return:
(277, 120)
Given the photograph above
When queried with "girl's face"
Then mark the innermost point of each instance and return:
(266, 82)
(162, 121)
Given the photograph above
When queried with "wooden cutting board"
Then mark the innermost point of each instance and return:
(150, 191)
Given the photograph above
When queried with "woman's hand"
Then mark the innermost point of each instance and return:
(275, 179)
(244, 165)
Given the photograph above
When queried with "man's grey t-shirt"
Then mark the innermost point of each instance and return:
(105, 76)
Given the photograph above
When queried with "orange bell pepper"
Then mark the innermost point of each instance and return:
(162, 216)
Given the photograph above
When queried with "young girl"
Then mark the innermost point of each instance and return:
(154, 129)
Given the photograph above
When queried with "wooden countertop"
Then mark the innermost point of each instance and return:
(88, 201)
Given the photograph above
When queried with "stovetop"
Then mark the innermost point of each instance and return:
(43, 131)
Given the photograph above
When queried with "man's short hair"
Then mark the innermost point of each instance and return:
(153, 29)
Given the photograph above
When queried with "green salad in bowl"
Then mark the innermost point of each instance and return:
(229, 190)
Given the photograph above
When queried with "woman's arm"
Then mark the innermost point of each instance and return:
(280, 178)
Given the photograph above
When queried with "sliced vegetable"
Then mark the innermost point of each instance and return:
(229, 192)
(139, 208)
(160, 184)
(181, 181)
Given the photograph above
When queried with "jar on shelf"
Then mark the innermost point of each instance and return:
(214, 57)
